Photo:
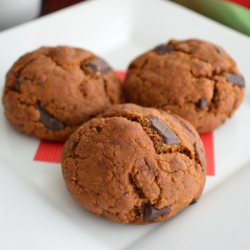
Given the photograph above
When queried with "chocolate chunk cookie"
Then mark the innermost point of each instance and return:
(51, 91)
(195, 79)
(135, 165)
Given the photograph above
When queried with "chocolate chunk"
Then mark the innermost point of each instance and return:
(168, 136)
(202, 103)
(193, 201)
(163, 49)
(49, 121)
(151, 213)
(18, 83)
(236, 79)
(98, 66)
(219, 51)
(98, 129)
(74, 144)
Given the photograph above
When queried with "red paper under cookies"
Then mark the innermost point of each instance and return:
(51, 151)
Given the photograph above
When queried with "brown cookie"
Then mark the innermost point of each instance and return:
(51, 91)
(194, 79)
(134, 165)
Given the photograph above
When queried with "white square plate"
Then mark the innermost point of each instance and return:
(36, 210)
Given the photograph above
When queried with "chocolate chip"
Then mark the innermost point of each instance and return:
(163, 49)
(98, 66)
(74, 144)
(49, 121)
(219, 51)
(151, 213)
(202, 103)
(193, 201)
(98, 129)
(18, 83)
(236, 79)
(168, 136)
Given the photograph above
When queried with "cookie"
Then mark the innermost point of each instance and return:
(134, 164)
(195, 79)
(50, 92)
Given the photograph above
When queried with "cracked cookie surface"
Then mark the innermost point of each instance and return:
(195, 79)
(50, 92)
(134, 165)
